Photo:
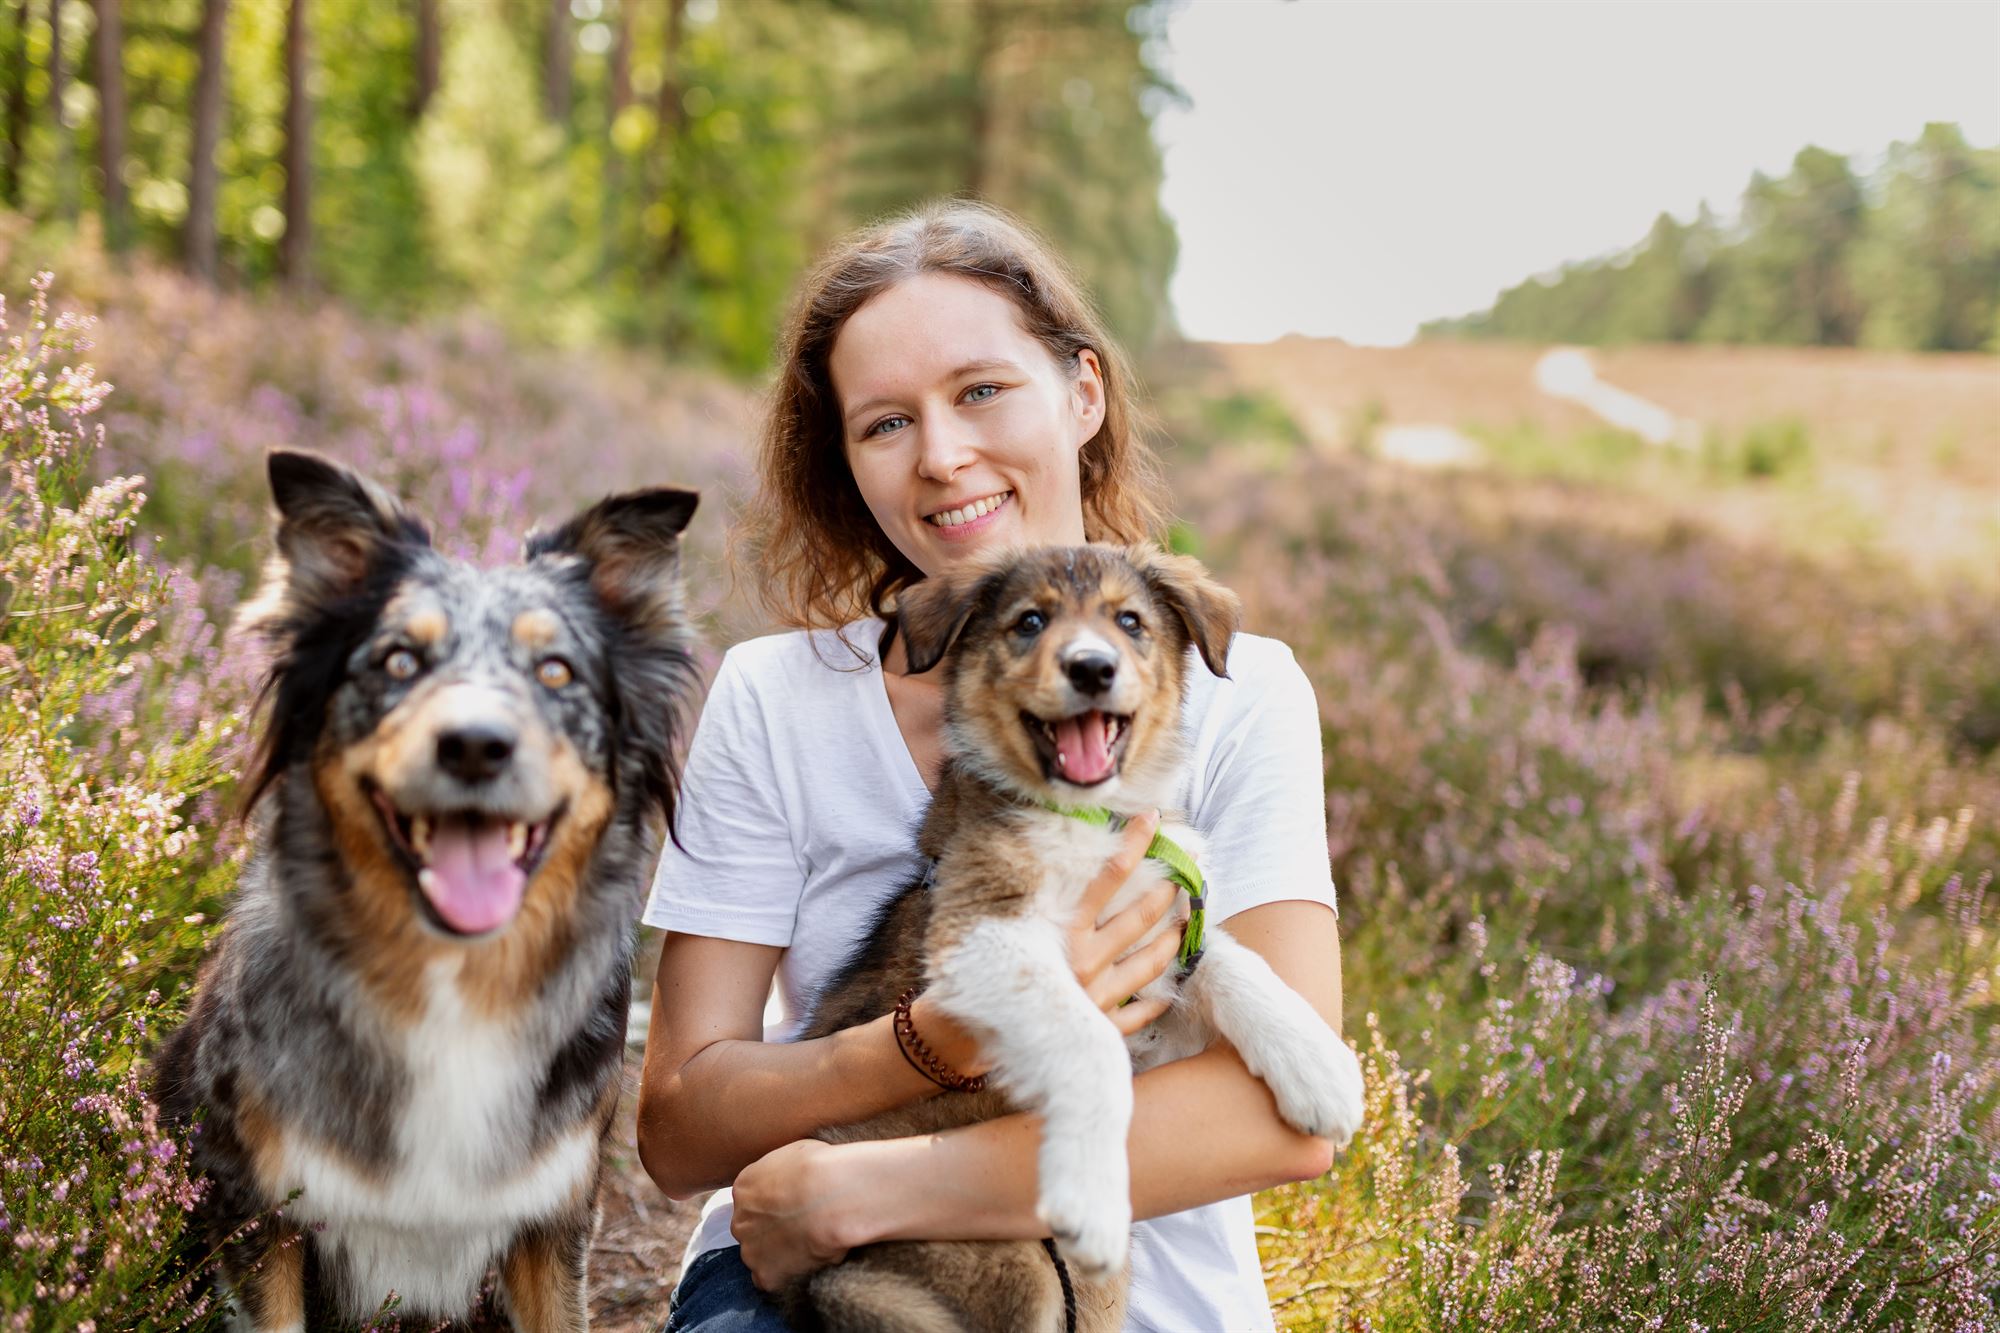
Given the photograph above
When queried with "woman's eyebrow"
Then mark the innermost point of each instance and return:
(968, 368)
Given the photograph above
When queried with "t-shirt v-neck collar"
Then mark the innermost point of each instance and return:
(882, 717)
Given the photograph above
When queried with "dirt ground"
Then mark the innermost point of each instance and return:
(637, 1254)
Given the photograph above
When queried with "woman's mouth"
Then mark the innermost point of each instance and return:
(968, 518)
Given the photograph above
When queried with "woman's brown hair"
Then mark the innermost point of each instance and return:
(820, 559)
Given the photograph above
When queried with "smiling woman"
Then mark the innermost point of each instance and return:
(945, 393)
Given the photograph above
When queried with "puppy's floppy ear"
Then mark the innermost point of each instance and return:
(335, 528)
(1210, 611)
(631, 543)
(930, 614)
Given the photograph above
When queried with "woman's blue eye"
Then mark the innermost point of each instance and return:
(880, 426)
(979, 393)
(1031, 622)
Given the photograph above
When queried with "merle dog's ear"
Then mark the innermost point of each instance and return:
(335, 527)
(1210, 611)
(930, 613)
(631, 543)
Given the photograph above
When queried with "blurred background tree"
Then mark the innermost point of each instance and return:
(649, 170)
(1905, 257)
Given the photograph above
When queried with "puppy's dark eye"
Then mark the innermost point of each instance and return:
(1031, 622)
(401, 664)
(1129, 622)
(554, 673)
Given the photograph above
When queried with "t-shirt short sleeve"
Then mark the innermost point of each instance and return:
(736, 874)
(1263, 786)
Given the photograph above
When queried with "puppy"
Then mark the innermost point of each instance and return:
(414, 1017)
(1065, 670)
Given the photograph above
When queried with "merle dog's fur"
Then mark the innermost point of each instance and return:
(436, 1101)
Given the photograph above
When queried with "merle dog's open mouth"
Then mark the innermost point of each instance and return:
(1082, 750)
(471, 867)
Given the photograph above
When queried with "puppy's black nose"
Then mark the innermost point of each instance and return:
(475, 753)
(1092, 673)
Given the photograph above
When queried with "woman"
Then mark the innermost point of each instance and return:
(946, 390)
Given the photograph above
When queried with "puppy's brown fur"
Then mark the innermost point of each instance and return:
(988, 838)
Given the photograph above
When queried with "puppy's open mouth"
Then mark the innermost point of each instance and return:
(1083, 750)
(471, 867)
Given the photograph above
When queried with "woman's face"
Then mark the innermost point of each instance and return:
(961, 430)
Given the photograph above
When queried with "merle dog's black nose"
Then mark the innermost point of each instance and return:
(475, 753)
(1092, 673)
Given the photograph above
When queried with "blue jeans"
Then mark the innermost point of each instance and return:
(717, 1296)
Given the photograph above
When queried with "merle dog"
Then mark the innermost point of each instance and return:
(412, 1025)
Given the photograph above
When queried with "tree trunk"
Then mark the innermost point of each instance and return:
(200, 239)
(111, 121)
(556, 62)
(981, 171)
(295, 247)
(428, 49)
(18, 107)
(65, 197)
(621, 59)
(668, 113)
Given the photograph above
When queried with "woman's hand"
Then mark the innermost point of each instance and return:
(791, 1212)
(1107, 966)
(1102, 956)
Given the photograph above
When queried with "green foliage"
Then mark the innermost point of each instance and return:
(107, 858)
(674, 207)
(1909, 258)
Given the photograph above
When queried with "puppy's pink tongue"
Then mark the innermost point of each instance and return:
(1083, 747)
(473, 883)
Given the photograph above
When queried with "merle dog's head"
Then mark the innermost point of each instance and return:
(1066, 665)
(470, 733)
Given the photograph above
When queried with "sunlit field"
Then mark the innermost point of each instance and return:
(1660, 780)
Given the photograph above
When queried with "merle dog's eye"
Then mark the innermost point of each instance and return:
(1031, 622)
(1129, 622)
(554, 673)
(401, 664)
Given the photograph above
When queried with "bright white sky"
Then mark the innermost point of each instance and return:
(1352, 169)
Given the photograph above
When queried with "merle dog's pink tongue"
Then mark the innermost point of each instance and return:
(1084, 743)
(473, 883)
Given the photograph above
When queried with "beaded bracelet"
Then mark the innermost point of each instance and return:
(922, 1058)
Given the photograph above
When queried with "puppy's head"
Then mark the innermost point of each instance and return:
(1065, 666)
(470, 732)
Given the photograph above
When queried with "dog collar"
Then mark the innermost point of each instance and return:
(1181, 869)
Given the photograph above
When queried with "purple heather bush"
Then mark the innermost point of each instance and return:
(1669, 923)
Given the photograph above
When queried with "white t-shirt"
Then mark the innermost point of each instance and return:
(799, 815)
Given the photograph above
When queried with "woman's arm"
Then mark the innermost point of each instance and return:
(1203, 1129)
(714, 1096)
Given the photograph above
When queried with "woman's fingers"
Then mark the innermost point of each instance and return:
(1137, 837)
(1127, 928)
(1137, 970)
(1136, 1015)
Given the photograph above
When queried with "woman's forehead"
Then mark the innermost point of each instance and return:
(924, 329)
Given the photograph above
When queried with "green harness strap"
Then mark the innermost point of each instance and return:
(1181, 869)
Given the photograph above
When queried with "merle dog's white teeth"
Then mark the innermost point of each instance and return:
(517, 839)
(427, 879)
(1061, 762)
(420, 836)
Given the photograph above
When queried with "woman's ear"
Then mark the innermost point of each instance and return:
(1088, 391)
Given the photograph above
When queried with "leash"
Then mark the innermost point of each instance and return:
(1069, 1291)
(1180, 867)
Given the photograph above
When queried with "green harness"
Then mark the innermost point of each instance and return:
(1180, 867)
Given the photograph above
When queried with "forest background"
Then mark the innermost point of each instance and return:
(1661, 765)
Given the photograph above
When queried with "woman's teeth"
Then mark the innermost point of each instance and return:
(951, 518)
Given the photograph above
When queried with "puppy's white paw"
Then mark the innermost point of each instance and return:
(1092, 1224)
(1315, 1078)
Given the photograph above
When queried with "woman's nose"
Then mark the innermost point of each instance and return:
(947, 447)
